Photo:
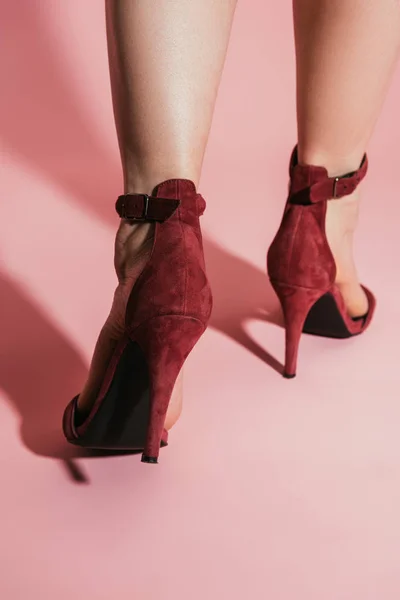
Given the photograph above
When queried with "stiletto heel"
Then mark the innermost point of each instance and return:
(296, 304)
(301, 266)
(167, 311)
(164, 364)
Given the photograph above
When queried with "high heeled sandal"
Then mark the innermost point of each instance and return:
(301, 266)
(167, 312)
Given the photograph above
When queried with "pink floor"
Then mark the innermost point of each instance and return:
(270, 489)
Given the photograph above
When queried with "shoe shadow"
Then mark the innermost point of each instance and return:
(241, 292)
(43, 126)
(39, 372)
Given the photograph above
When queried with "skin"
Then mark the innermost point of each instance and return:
(165, 68)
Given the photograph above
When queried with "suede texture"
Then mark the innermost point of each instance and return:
(171, 302)
(299, 254)
(300, 263)
(310, 184)
(296, 302)
(174, 281)
(166, 342)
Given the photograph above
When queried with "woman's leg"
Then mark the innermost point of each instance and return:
(346, 52)
(166, 60)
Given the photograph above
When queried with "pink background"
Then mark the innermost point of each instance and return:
(270, 488)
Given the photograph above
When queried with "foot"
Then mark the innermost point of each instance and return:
(133, 246)
(341, 222)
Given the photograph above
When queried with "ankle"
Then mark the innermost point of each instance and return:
(337, 165)
(344, 212)
(143, 181)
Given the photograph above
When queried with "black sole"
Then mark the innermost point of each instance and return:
(121, 420)
(324, 319)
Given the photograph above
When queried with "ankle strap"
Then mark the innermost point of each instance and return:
(141, 207)
(324, 187)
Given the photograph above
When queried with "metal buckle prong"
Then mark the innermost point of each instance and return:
(146, 206)
(334, 186)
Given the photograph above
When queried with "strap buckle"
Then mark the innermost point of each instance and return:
(143, 217)
(145, 208)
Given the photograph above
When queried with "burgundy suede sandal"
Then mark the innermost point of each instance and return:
(301, 266)
(167, 312)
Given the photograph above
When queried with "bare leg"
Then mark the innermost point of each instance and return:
(346, 52)
(166, 60)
